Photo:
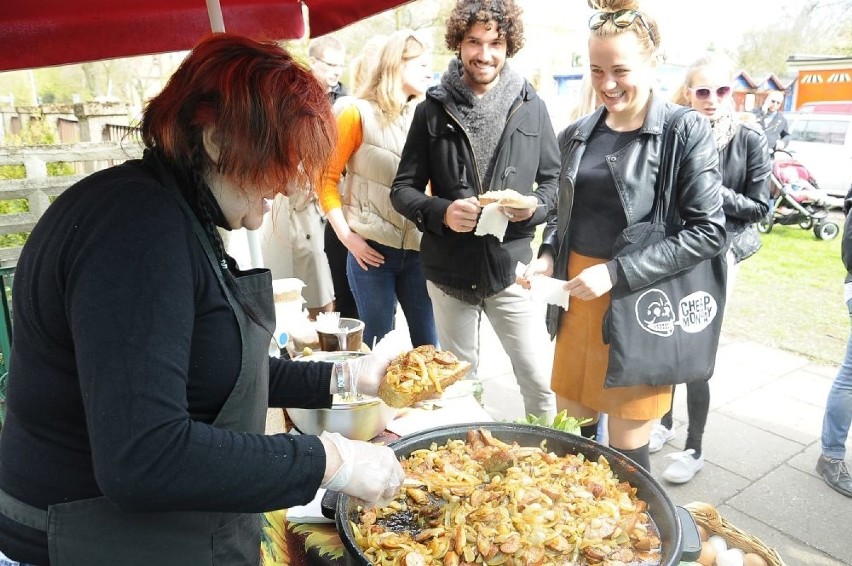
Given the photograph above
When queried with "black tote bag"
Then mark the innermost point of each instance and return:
(668, 332)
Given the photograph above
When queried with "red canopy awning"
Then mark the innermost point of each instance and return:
(39, 33)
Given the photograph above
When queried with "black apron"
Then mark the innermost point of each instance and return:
(93, 531)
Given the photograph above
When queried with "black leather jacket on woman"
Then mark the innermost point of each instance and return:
(634, 170)
(745, 168)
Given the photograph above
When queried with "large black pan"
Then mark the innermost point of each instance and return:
(660, 507)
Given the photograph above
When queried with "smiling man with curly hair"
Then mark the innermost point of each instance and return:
(482, 129)
(505, 14)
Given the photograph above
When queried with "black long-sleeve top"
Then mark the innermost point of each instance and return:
(124, 350)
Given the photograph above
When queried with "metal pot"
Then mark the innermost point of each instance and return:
(660, 506)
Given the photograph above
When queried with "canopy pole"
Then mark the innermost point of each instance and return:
(214, 12)
(217, 25)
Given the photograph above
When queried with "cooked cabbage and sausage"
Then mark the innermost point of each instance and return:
(484, 501)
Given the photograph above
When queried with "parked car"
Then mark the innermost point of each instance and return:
(828, 107)
(823, 143)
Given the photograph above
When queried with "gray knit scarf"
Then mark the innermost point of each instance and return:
(483, 117)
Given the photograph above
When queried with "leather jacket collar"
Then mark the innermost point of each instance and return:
(653, 124)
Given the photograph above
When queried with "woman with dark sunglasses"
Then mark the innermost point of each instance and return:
(610, 160)
(744, 165)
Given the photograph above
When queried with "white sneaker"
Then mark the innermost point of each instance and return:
(659, 436)
(684, 467)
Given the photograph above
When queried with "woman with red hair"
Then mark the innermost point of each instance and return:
(140, 374)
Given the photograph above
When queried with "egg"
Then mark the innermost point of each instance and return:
(719, 543)
(708, 554)
(702, 533)
(730, 557)
(752, 559)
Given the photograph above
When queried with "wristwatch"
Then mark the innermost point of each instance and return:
(338, 372)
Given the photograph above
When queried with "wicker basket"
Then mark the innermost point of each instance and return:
(707, 516)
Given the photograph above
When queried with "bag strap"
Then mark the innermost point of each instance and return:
(661, 213)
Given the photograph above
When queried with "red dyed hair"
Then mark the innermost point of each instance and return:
(272, 119)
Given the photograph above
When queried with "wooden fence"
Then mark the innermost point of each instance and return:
(39, 189)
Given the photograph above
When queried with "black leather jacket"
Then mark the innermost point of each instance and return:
(745, 168)
(438, 154)
(635, 170)
(775, 129)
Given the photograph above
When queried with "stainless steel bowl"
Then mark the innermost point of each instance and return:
(358, 420)
(362, 419)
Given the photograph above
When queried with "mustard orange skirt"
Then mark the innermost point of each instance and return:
(580, 361)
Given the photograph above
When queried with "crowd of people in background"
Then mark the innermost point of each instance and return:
(379, 190)
(457, 277)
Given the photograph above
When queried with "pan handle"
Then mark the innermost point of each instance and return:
(328, 504)
(691, 538)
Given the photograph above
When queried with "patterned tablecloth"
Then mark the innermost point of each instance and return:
(290, 544)
(304, 544)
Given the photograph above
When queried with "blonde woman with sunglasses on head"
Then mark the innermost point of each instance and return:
(610, 161)
(744, 165)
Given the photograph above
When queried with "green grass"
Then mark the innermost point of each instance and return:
(790, 295)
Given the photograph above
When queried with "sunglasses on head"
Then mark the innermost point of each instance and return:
(703, 92)
(620, 19)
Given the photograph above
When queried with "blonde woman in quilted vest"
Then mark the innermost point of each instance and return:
(383, 265)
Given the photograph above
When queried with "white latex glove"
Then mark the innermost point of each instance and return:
(369, 372)
(367, 472)
(361, 376)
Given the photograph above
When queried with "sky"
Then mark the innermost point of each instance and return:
(723, 25)
(688, 27)
(692, 26)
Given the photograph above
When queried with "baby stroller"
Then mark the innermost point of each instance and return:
(797, 200)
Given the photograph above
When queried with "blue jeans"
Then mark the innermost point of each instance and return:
(378, 289)
(838, 409)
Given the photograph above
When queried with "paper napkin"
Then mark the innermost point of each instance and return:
(545, 289)
(492, 221)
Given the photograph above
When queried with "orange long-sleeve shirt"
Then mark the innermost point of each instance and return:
(349, 138)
